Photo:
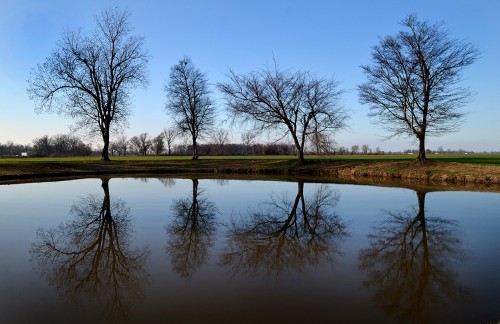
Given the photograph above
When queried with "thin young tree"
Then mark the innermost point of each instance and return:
(170, 134)
(219, 138)
(158, 144)
(413, 85)
(141, 143)
(189, 102)
(294, 104)
(89, 77)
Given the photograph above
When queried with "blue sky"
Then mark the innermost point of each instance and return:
(330, 38)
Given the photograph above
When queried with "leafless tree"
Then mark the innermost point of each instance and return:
(355, 149)
(158, 144)
(413, 85)
(121, 145)
(293, 103)
(322, 143)
(141, 143)
(170, 135)
(365, 149)
(248, 137)
(91, 257)
(89, 77)
(411, 258)
(286, 235)
(43, 146)
(191, 232)
(219, 138)
(189, 102)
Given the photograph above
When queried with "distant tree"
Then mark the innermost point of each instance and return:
(141, 143)
(158, 144)
(355, 149)
(219, 138)
(413, 82)
(60, 145)
(248, 137)
(89, 78)
(365, 149)
(189, 102)
(322, 143)
(11, 149)
(170, 135)
(122, 143)
(43, 146)
(293, 103)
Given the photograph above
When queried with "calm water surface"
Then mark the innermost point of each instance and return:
(187, 250)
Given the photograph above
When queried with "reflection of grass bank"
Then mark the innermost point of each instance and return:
(456, 169)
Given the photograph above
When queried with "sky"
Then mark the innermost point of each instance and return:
(330, 38)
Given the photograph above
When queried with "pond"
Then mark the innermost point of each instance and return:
(158, 250)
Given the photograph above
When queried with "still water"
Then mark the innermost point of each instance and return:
(188, 250)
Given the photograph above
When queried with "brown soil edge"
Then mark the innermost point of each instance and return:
(434, 175)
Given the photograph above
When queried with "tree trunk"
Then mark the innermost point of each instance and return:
(421, 149)
(195, 149)
(300, 154)
(105, 149)
(423, 227)
(106, 200)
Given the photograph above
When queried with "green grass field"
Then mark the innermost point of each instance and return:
(482, 159)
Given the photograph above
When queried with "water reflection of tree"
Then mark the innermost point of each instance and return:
(409, 264)
(286, 235)
(91, 258)
(191, 232)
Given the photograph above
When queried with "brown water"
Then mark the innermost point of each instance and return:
(184, 250)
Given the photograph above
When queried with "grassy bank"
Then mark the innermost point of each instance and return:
(472, 169)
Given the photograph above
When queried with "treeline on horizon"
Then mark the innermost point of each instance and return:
(66, 145)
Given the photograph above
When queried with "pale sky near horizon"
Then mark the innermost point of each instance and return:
(330, 38)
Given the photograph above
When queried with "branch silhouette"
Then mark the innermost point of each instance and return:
(286, 236)
(90, 257)
(191, 232)
(409, 264)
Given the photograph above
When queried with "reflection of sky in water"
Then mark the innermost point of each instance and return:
(335, 288)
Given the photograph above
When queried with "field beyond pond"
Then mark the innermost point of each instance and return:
(472, 169)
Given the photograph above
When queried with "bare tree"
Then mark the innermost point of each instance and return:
(158, 144)
(286, 235)
(248, 137)
(91, 257)
(170, 135)
(355, 149)
(411, 257)
(141, 143)
(89, 78)
(219, 138)
(413, 83)
(189, 102)
(43, 146)
(365, 149)
(322, 143)
(293, 103)
(191, 232)
(122, 145)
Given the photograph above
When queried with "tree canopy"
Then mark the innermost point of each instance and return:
(89, 77)
(296, 103)
(413, 85)
(189, 102)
